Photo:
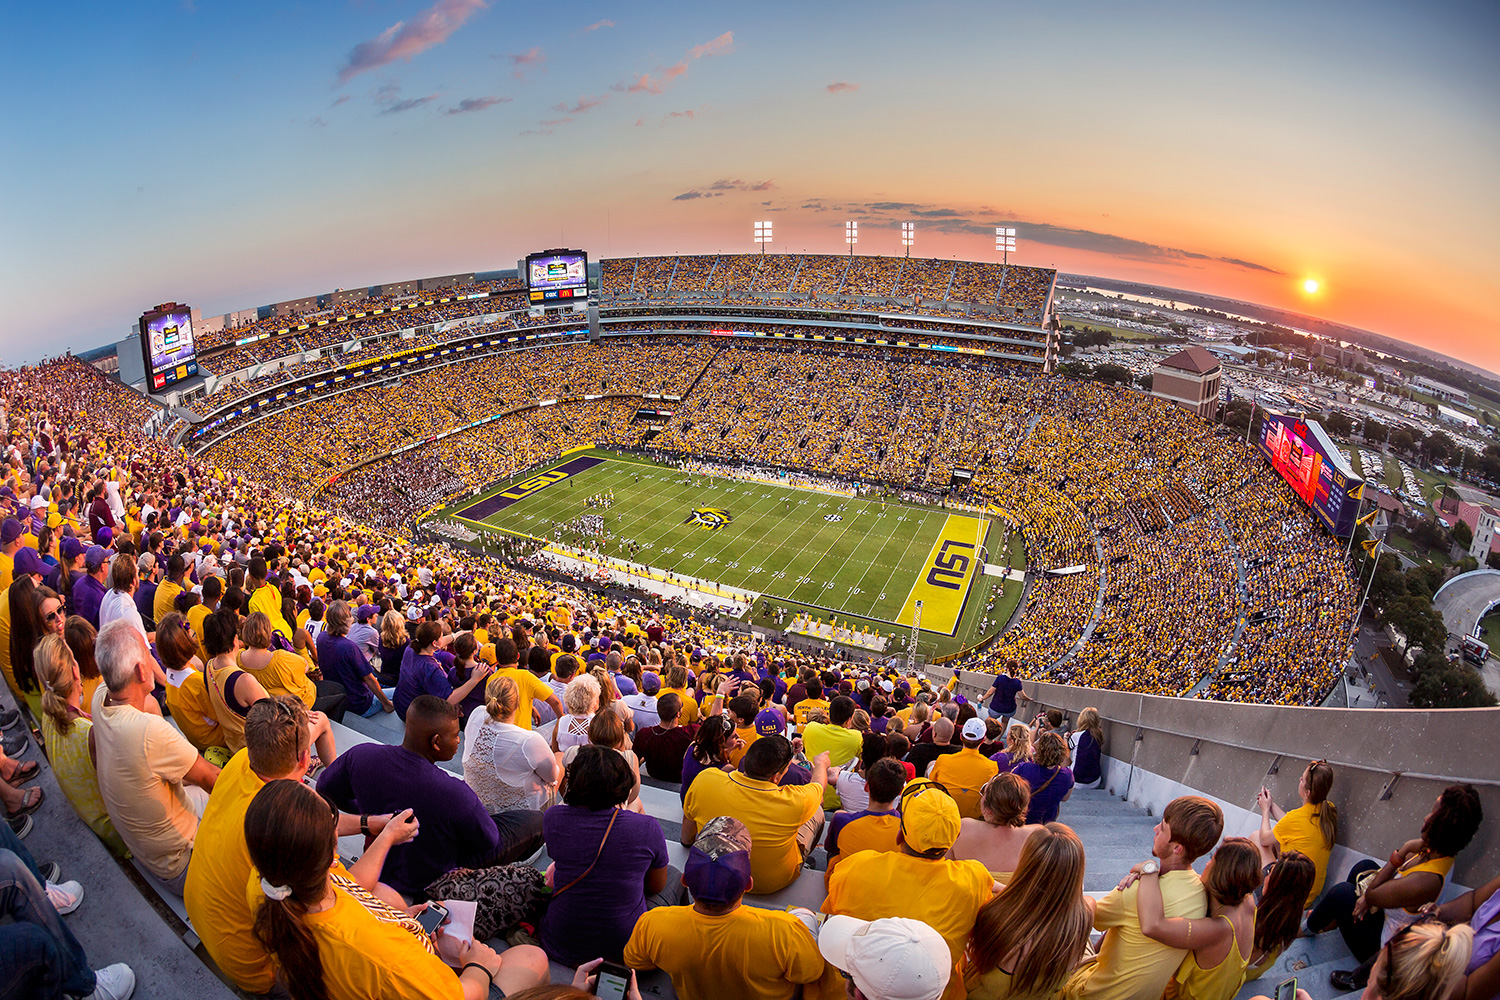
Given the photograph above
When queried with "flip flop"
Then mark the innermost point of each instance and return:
(23, 770)
(27, 810)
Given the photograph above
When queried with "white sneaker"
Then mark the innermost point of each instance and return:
(114, 983)
(66, 897)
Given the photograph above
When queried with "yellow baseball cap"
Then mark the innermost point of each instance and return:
(929, 817)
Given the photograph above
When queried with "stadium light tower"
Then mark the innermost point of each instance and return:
(1005, 243)
(762, 234)
(908, 235)
(851, 235)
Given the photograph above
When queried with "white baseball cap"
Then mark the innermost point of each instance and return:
(896, 958)
(974, 729)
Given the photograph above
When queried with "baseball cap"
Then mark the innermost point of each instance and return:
(896, 958)
(974, 729)
(650, 682)
(27, 561)
(768, 723)
(413, 613)
(718, 863)
(887, 686)
(38, 501)
(10, 531)
(70, 547)
(105, 536)
(929, 817)
(95, 556)
(365, 611)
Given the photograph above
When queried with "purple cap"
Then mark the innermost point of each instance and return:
(95, 556)
(7, 492)
(70, 547)
(650, 682)
(768, 723)
(105, 536)
(10, 531)
(27, 561)
(718, 865)
(365, 612)
(604, 644)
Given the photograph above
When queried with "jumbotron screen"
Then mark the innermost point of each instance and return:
(1311, 464)
(167, 345)
(557, 274)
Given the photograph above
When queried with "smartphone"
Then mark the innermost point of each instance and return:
(1287, 990)
(612, 981)
(436, 913)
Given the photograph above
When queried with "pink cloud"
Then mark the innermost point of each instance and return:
(581, 106)
(471, 104)
(656, 81)
(841, 87)
(606, 23)
(406, 39)
(723, 45)
(523, 63)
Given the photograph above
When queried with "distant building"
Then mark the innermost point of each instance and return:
(1345, 357)
(1486, 536)
(1453, 416)
(1440, 389)
(1190, 378)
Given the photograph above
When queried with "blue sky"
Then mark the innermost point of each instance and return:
(232, 155)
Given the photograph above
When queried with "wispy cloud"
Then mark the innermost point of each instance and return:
(317, 122)
(339, 100)
(841, 87)
(410, 104)
(720, 188)
(581, 106)
(523, 64)
(406, 39)
(469, 104)
(605, 23)
(657, 80)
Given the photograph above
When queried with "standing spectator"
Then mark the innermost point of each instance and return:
(606, 861)
(663, 747)
(1087, 747)
(964, 773)
(890, 959)
(717, 947)
(153, 782)
(507, 766)
(1050, 778)
(1311, 828)
(998, 838)
(1004, 689)
(342, 660)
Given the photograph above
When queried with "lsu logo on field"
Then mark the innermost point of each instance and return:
(709, 518)
(522, 490)
(945, 578)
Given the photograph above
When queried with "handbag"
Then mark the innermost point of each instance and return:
(506, 895)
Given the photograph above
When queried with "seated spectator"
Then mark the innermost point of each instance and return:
(998, 838)
(361, 633)
(1050, 778)
(1017, 748)
(80, 635)
(341, 660)
(459, 833)
(187, 688)
(643, 703)
(663, 747)
(327, 940)
(1478, 908)
(1129, 964)
(607, 730)
(120, 601)
(717, 948)
(784, 820)
(852, 783)
(423, 672)
(873, 827)
(1278, 915)
(581, 699)
(942, 893)
(65, 731)
(838, 737)
(282, 672)
(154, 784)
(923, 754)
(890, 959)
(1423, 961)
(1029, 938)
(676, 683)
(1413, 877)
(507, 766)
(39, 955)
(711, 750)
(1218, 956)
(1087, 747)
(964, 773)
(393, 646)
(1311, 828)
(531, 688)
(606, 861)
(466, 664)
(814, 702)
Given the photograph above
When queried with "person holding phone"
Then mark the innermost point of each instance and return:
(361, 947)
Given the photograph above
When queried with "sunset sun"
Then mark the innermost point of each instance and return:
(1310, 286)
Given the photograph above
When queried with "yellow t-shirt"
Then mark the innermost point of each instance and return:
(188, 701)
(689, 705)
(366, 958)
(7, 570)
(166, 597)
(746, 954)
(196, 616)
(531, 687)
(1298, 830)
(843, 745)
(805, 706)
(944, 894)
(267, 600)
(749, 736)
(68, 754)
(773, 814)
(217, 873)
(1130, 965)
(5, 664)
(964, 774)
(286, 673)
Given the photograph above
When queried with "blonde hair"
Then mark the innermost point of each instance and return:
(501, 696)
(1423, 961)
(581, 696)
(1088, 720)
(256, 631)
(1018, 743)
(606, 696)
(53, 662)
(392, 629)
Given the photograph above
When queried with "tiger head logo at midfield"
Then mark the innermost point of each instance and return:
(709, 518)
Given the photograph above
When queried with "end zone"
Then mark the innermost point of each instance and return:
(947, 576)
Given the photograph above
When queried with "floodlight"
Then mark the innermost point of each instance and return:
(762, 234)
(1005, 242)
(908, 235)
(851, 235)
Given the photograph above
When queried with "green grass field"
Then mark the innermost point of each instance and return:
(857, 558)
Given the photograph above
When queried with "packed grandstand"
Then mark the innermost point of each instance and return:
(273, 545)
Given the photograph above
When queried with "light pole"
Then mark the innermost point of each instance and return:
(1005, 243)
(908, 235)
(851, 235)
(762, 234)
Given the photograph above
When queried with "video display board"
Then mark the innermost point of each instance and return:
(1309, 461)
(167, 345)
(557, 274)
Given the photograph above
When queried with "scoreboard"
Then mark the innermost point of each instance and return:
(557, 275)
(167, 345)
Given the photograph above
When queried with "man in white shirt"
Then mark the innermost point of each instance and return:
(119, 603)
(643, 703)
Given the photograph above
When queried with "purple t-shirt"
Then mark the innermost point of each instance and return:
(1004, 701)
(1044, 800)
(594, 918)
(342, 661)
(421, 675)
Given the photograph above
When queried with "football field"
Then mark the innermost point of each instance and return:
(845, 556)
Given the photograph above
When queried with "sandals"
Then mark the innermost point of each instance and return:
(33, 806)
(23, 770)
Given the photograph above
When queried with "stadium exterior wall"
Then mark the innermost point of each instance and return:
(1391, 764)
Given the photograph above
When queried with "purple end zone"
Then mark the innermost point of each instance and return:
(520, 491)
